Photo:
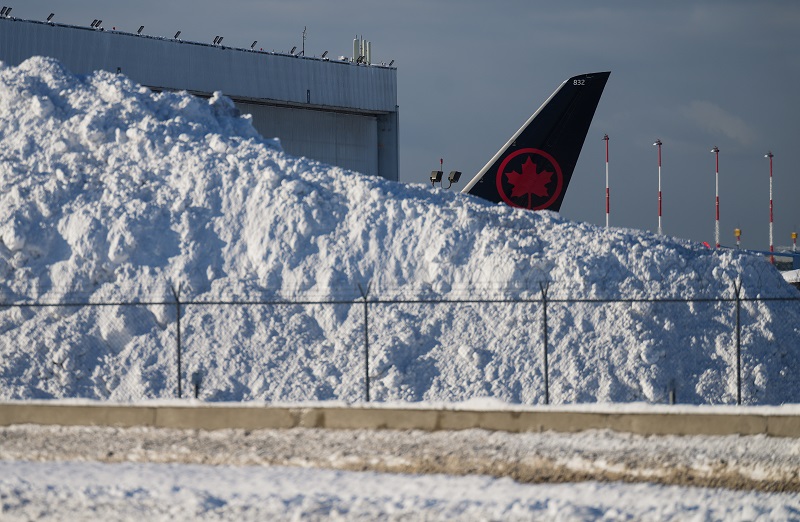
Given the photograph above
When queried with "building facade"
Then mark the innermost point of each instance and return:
(336, 111)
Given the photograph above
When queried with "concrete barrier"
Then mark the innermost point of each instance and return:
(231, 416)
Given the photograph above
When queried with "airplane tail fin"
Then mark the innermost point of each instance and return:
(533, 169)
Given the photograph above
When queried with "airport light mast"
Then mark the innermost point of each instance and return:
(715, 150)
(658, 144)
(608, 199)
(771, 244)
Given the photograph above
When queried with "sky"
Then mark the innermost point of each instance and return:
(693, 74)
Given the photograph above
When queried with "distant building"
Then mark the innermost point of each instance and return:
(337, 111)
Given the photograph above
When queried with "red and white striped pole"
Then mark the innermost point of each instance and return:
(794, 241)
(771, 244)
(608, 194)
(715, 150)
(658, 144)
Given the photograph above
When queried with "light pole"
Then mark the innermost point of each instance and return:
(771, 244)
(658, 144)
(715, 150)
(608, 197)
(738, 233)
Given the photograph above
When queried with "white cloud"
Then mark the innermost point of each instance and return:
(717, 120)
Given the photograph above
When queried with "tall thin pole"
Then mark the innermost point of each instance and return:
(544, 288)
(715, 150)
(364, 293)
(608, 194)
(771, 244)
(658, 144)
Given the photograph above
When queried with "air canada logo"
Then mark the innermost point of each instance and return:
(529, 178)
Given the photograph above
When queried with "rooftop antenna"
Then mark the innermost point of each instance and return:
(303, 52)
(141, 28)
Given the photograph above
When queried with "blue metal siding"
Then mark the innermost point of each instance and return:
(327, 110)
(179, 65)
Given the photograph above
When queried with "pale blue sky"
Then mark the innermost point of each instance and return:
(694, 74)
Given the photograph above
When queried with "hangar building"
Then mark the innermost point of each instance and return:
(337, 111)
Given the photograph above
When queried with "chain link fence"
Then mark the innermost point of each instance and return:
(532, 350)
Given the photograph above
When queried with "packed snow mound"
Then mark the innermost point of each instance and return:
(110, 193)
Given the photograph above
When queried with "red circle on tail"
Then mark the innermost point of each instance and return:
(531, 152)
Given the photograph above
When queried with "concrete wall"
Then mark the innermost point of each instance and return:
(225, 416)
(338, 112)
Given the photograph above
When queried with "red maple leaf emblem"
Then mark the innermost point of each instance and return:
(530, 181)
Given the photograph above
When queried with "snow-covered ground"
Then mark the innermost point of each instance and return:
(109, 192)
(134, 491)
(119, 474)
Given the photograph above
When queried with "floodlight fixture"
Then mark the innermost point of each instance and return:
(391, 63)
(141, 28)
(436, 176)
(253, 45)
(98, 24)
(93, 23)
(216, 39)
(8, 11)
(51, 16)
(176, 35)
(324, 54)
(3, 11)
(293, 50)
(454, 176)
(219, 42)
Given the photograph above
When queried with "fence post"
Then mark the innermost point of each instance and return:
(364, 293)
(737, 287)
(544, 286)
(177, 294)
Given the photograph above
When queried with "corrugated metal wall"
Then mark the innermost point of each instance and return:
(326, 110)
(335, 138)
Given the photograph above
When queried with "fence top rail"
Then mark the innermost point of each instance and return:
(379, 301)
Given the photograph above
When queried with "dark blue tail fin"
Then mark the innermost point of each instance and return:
(533, 169)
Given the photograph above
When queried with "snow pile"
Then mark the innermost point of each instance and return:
(111, 193)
